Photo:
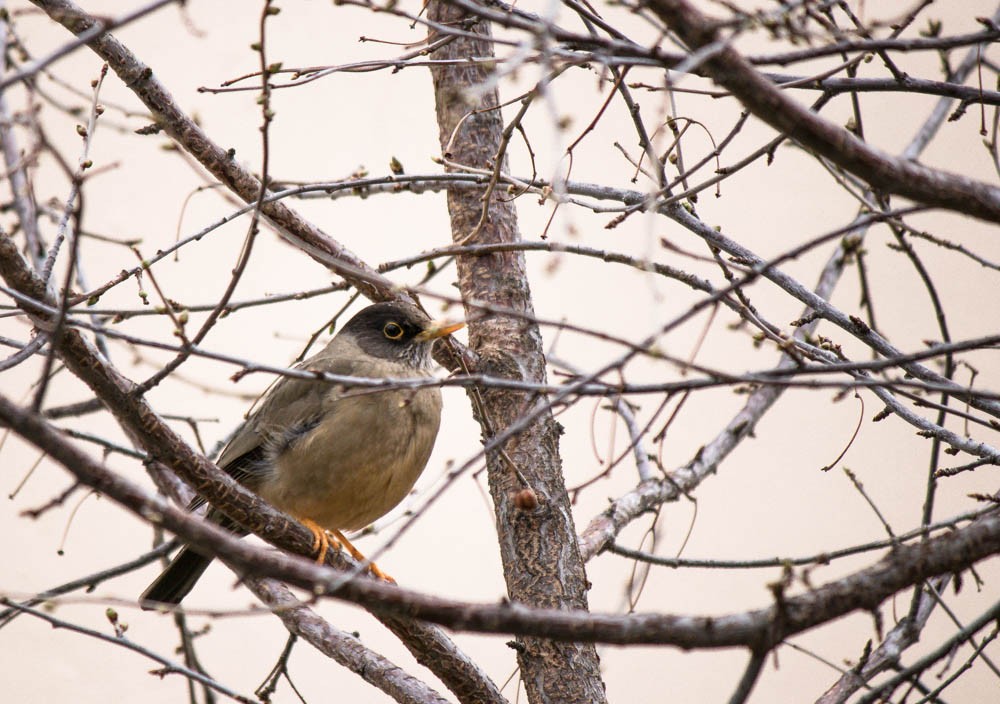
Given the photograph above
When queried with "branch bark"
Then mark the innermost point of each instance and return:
(431, 646)
(142, 81)
(344, 648)
(759, 630)
(729, 69)
(292, 227)
(538, 547)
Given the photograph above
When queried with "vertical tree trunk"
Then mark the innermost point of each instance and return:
(538, 546)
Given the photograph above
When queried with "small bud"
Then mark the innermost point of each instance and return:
(526, 500)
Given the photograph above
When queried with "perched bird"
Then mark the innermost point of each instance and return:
(335, 458)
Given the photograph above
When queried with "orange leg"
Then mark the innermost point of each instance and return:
(321, 540)
(356, 554)
(324, 539)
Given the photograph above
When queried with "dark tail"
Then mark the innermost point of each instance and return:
(176, 581)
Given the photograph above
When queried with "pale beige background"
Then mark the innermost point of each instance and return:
(769, 499)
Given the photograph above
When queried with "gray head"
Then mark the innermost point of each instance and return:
(396, 331)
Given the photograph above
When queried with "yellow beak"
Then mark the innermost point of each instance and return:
(439, 328)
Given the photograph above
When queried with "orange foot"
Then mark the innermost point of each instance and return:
(321, 540)
(356, 554)
(324, 539)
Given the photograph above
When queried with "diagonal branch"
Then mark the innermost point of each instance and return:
(759, 629)
(168, 665)
(142, 81)
(219, 162)
(344, 648)
(431, 647)
(883, 171)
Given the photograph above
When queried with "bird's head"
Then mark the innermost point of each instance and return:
(397, 332)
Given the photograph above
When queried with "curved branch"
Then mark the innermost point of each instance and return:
(142, 423)
(884, 172)
(295, 229)
(344, 648)
(760, 629)
(169, 666)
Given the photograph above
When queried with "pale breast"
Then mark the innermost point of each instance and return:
(359, 460)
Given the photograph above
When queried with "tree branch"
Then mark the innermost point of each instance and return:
(139, 420)
(344, 648)
(538, 546)
(760, 629)
(766, 101)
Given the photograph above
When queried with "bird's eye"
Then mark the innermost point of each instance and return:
(393, 331)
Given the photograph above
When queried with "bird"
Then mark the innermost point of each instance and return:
(335, 458)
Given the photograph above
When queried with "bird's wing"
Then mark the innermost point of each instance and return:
(289, 407)
(244, 456)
